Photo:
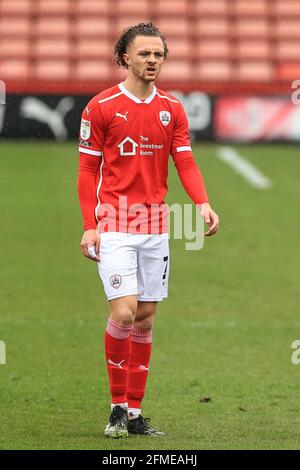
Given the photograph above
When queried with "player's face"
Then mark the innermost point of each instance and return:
(145, 57)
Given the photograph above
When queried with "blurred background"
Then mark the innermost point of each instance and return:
(232, 314)
(218, 49)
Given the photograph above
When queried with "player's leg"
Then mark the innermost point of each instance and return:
(118, 351)
(141, 346)
(153, 270)
(118, 271)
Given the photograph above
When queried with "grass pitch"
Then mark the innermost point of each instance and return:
(224, 333)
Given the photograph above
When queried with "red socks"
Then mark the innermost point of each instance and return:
(117, 351)
(128, 352)
(141, 345)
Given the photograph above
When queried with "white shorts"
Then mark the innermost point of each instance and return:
(134, 264)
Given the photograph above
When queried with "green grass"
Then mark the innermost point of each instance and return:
(225, 331)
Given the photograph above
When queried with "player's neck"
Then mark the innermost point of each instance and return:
(138, 88)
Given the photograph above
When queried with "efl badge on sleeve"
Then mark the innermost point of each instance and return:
(85, 129)
(165, 117)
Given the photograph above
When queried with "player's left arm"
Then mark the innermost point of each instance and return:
(189, 173)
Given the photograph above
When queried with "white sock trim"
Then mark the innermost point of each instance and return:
(134, 413)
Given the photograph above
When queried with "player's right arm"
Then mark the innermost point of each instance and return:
(90, 157)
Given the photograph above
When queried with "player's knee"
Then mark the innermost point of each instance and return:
(144, 319)
(123, 315)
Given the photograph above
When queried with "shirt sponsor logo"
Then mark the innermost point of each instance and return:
(84, 143)
(128, 146)
(85, 129)
(165, 117)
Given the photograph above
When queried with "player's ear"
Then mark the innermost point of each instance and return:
(126, 59)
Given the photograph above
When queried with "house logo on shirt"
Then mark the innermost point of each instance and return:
(165, 117)
(128, 146)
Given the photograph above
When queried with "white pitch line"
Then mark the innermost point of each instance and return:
(244, 168)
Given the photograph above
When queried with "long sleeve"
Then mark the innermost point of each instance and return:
(188, 171)
(88, 169)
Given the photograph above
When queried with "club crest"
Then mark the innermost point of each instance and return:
(165, 117)
(115, 281)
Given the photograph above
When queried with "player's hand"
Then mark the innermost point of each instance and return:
(210, 218)
(90, 245)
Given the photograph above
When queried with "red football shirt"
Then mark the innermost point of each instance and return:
(133, 140)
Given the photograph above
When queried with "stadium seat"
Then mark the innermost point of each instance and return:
(125, 21)
(14, 48)
(91, 26)
(94, 48)
(52, 48)
(253, 49)
(252, 28)
(288, 29)
(52, 70)
(17, 69)
(92, 7)
(94, 70)
(288, 71)
(14, 27)
(175, 71)
(288, 51)
(212, 27)
(290, 8)
(214, 71)
(245, 8)
(211, 7)
(179, 28)
(132, 7)
(212, 48)
(179, 48)
(59, 26)
(254, 71)
(15, 7)
(179, 8)
(53, 7)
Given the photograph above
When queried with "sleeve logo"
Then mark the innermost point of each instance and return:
(165, 117)
(85, 129)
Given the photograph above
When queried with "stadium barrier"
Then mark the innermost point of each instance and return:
(240, 118)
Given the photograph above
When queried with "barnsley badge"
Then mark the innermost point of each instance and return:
(165, 117)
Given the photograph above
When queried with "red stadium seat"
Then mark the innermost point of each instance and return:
(253, 49)
(179, 48)
(169, 8)
(212, 48)
(59, 26)
(14, 48)
(91, 26)
(252, 28)
(17, 69)
(176, 71)
(132, 7)
(125, 21)
(254, 72)
(93, 70)
(211, 7)
(249, 9)
(290, 8)
(52, 70)
(94, 48)
(212, 27)
(288, 71)
(214, 71)
(179, 28)
(15, 7)
(53, 7)
(92, 7)
(288, 29)
(14, 27)
(288, 50)
(52, 48)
